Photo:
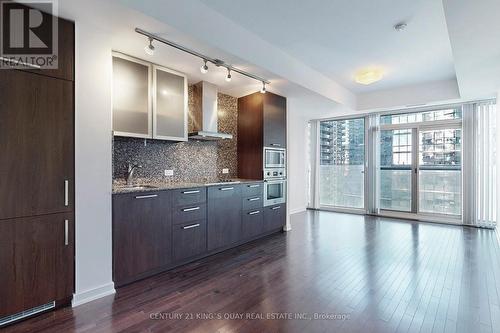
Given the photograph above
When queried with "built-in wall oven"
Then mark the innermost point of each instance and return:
(274, 191)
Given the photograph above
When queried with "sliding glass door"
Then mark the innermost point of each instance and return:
(440, 171)
(396, 170)
(420, 164)
(342, 163)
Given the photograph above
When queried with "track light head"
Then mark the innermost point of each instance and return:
(204, 67)
(150, 49)
(228, 77)
(263, 90)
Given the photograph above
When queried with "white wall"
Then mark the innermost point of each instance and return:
(93, 164)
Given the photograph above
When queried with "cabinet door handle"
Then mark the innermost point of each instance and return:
(190, 209)
(66, 192)
(191, 226)
(253, 186)
(277, 207)
(226, 188)
(66, 237)
(191, 192)
(276, 144)
(146, 196)
(254, 212)
(253, 199)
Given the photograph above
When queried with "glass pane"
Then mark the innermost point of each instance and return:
(395, 170)
(406, 118)
(342, 159)
(130, 96)
(169, 104)
(274, 158)
(274, 191)
(440, 175)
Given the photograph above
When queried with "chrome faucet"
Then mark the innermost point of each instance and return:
(130, 172)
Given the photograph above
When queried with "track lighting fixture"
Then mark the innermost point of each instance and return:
(206, 59)
(204, 68)
(150, 49)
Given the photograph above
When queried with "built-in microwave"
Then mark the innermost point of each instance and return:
(274, 158)
(274, 191)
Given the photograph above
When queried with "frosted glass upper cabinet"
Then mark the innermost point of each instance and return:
(170, 104)
(132, 104)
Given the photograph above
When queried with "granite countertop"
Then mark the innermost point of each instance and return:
(119, 186)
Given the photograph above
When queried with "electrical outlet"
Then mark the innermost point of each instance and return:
(225, 170)
(169, 172)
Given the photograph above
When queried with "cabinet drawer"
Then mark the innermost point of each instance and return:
(252, 202)
(274, 217)
(182, 214)
(252, 223)
(224, 191)
(252, 189)
(189, 239)
(189, 196)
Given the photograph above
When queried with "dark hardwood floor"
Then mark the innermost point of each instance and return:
(382, 275)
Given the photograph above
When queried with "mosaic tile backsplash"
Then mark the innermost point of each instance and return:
(191, 161)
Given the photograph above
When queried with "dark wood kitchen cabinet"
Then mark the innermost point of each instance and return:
(142, 235)
(36, 254)
(252, 223)
(224, 216)
(274, 217)
(158, 230)
(189, 239)
(274, 108)
(36, 144)
(66, 60)
(37, 184)
(261, 123)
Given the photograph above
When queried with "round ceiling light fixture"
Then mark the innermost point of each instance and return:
(368, 76)
(400, 26)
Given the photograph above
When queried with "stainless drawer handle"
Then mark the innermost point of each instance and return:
(277, 207)
(190, 209)
(66, 193)
(191, 226)
(276, 144)
(226, 188)
(255, 212)
(253, 199)
(253, 186)
(66, 237)
(191, 192)
(146, 196)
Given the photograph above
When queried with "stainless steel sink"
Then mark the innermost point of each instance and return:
(137, 187)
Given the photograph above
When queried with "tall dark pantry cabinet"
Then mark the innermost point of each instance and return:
(37, 185)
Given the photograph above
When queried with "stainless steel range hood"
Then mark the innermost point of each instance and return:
(204, 114)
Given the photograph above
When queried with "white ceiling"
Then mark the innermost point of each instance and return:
(474, 29)
(310, 49)
(339, 37)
